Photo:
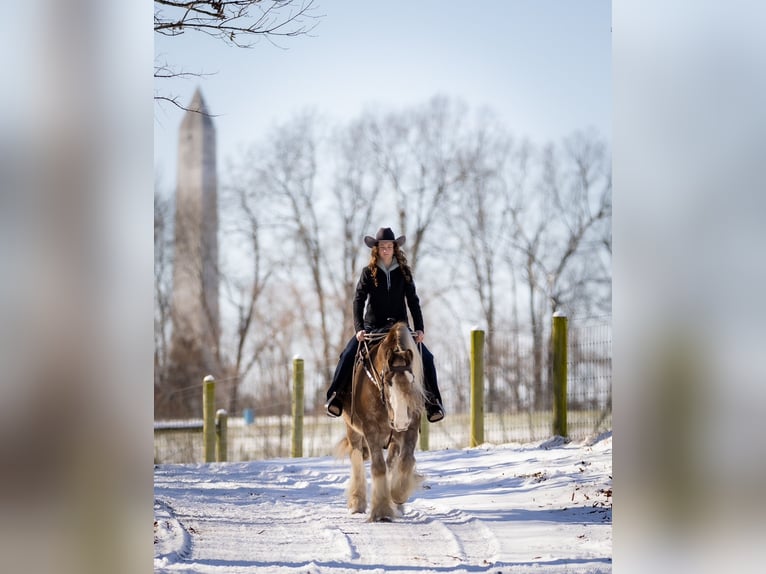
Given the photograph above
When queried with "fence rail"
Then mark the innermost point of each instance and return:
(508, 414)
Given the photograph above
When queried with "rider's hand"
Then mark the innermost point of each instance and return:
(419, 336)
(360, 335)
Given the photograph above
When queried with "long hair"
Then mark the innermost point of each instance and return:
(401, 259)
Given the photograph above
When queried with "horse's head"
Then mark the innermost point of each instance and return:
(402, 372)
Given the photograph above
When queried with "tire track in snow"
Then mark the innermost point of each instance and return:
(474, 543)
(264, 533)
(422, 537)
(171, 539)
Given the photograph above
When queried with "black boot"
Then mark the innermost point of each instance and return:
(434, 408)
(334, 405)
(341, 379)
(434, 411)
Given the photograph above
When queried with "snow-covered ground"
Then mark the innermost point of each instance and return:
(543, 507)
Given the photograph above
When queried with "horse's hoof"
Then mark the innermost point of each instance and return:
(385, 514)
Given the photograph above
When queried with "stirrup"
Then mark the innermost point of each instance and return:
(334, 406)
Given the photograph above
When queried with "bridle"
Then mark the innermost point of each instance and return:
(378, 378)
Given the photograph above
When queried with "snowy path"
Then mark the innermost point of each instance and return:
(531, 508)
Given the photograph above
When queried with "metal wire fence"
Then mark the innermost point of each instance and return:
(517, 399)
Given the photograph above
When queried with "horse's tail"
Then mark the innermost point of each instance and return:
(343, 449)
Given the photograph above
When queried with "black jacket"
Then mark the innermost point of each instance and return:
(386, 302)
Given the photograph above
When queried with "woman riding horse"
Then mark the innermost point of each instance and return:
(387, 289)
(383, 413)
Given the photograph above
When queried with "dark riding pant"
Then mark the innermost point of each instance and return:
(344, 370)
(341, 379)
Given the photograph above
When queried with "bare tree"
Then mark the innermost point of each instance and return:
(356, 183)
(479, 227)
(580, 184)
(531, 213)
(552, 226)
(237, 23)
(162, 287)
(245, 282)
(418, 150)
(529, 244)
(287, 170)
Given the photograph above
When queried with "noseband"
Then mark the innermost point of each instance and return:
(399, 369)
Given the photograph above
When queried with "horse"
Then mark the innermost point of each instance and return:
(383, 411)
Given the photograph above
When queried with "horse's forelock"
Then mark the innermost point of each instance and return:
(399, 338)
(394, 336)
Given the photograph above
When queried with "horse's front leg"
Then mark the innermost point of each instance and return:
(382, 510)
(393, 453)
(357, 486)
(404, 478)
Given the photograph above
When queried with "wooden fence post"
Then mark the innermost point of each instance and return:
(297, 408)
(477, 387)
(559, 372)
(221, 443)
(208, 418)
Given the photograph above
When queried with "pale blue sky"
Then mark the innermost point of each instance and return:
(544, 66)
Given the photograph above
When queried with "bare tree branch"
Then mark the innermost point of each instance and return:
(418, 151)
(230, 20)
(237, 23)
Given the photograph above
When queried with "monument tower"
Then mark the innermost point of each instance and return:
(195, 314)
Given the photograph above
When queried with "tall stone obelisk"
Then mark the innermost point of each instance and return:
(195, 337)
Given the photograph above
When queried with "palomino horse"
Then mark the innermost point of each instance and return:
(383, 411)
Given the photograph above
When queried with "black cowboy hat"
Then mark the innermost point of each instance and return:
(383, 234)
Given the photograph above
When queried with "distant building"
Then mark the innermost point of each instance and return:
(195, 314)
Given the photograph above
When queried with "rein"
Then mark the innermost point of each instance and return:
(374, 376)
